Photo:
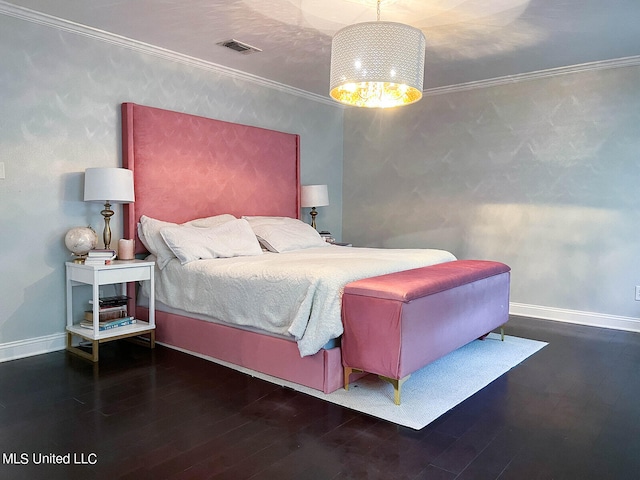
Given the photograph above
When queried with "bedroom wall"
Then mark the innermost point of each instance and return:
(542, 175)
(60, 100)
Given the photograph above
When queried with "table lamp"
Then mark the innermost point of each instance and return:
(314, 196)
(108, 185)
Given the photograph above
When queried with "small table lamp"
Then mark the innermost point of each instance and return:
(108, 185)
(314, 196)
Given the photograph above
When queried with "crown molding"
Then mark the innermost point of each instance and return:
(135, 45)
(112, 38)
(540, 74)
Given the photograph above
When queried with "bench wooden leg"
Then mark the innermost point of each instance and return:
(501, 335)
(397, 385)
(347, 373)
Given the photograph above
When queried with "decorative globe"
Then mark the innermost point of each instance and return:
(79, 240)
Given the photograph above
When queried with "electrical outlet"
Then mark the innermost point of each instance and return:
(638, 293)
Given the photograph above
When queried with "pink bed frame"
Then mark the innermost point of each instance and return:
(188, 167)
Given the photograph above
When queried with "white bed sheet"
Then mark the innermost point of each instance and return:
(296, 293)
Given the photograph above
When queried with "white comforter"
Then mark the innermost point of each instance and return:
(295, 293)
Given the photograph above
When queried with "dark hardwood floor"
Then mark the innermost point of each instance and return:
(571, 411)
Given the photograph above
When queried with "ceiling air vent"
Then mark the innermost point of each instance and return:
(243, 48)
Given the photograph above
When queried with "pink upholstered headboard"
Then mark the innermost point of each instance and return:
(188, 167)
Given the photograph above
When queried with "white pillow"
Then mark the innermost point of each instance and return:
(231, 239)
(150, 229)
(262, 220)
(283, 234)
(149, 234)
(211, 221)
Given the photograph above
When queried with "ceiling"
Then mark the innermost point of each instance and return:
(467, 40)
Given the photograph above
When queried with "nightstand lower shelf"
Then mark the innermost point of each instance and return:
(127, 331)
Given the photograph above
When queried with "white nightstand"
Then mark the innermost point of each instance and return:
(119, 271)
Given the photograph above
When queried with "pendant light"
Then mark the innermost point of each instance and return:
(377, 64)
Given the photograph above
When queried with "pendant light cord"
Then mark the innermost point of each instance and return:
(378, 9)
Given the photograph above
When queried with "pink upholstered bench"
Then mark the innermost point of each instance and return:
(396, 324)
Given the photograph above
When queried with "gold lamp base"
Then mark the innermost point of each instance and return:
(313, 214)
(107, 213)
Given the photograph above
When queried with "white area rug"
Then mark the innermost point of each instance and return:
(432, 390)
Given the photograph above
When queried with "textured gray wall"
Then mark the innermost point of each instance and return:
(543, 175)
(60, 96)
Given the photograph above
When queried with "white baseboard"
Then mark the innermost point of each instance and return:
(32, 346)
(602, 320)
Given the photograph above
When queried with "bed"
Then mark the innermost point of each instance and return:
(189, 169)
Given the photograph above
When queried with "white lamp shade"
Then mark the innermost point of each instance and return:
(113, 185)
(314, 196)
(377, 64)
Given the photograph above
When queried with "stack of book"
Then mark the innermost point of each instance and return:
(115, 301)
(327, 237)
(99, 257)
(112, 313)
(109, 324)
